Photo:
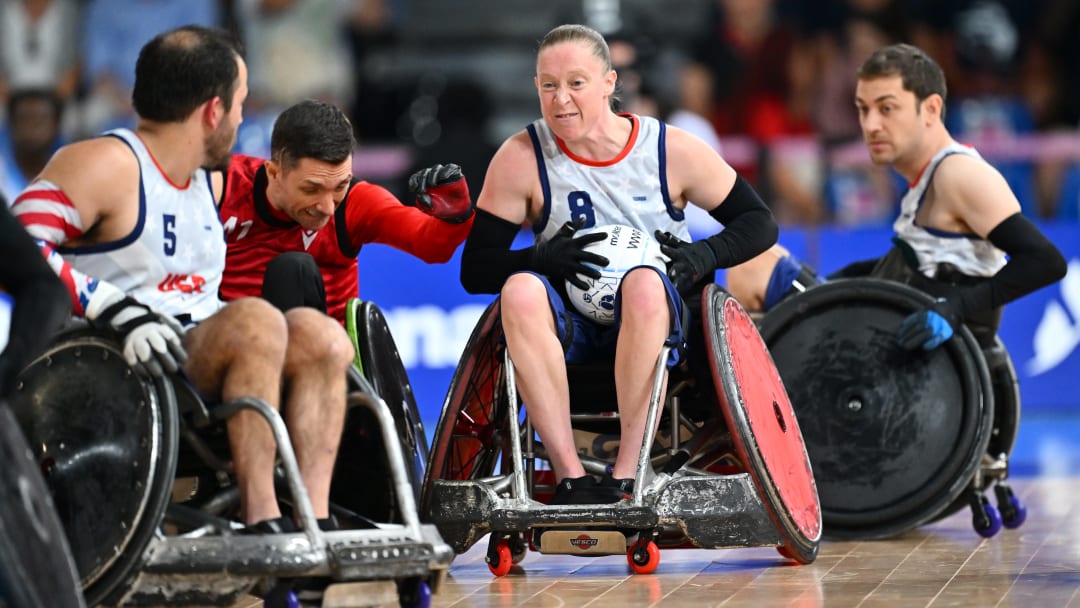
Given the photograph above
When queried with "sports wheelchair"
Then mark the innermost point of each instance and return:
(36, 568)
(896, 439)
(729, 469)
(139, 473)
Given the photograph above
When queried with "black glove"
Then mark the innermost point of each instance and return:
(563, 257)
(441, 191)
(690, 262)
(152, 341)
(929, 327)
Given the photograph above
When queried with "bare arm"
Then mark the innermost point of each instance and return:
(511, 197)
(87, 194)
(511, 185)
(970, 196)
(100, 177)
(696, 173)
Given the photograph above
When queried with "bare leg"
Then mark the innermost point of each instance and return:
(540, 369)
(239, 352)
(748, 281)
(646, 322)
(318, 355)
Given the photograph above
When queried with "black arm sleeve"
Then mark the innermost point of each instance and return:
(749, 226)
(41, 300)
(486, 259)
(1034, 262)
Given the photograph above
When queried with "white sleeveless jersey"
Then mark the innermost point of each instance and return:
(969, 253)
(630, 189)
(174, 258)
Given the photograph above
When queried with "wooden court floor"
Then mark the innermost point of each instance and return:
(942, 564)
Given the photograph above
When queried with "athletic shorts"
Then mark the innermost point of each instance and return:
(590, 341)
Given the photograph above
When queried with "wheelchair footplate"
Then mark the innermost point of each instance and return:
(134, 543)
(217, 569)
(713, 511)
(704, 511)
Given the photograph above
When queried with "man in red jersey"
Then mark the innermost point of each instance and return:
(295, 223)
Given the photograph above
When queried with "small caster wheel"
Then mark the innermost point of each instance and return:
(499, 558)
(518, 547)
(643, 556)
(985, 518)
(281, 596)
(414, 593)
(1013, 511)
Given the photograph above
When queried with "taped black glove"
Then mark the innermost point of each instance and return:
(928, 328)
(564, 257)
(690, 262)
(441, 191)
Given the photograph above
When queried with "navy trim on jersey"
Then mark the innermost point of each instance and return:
(545, 186)
(661, 155)
(945, 234)
(210, 184)
(134, 234)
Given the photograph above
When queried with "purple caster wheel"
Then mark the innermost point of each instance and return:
(1013, 511)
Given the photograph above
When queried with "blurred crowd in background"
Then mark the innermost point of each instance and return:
(769, 82)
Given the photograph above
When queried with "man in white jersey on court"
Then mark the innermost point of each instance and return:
(583, 165)
(128, 221)
(960, 235)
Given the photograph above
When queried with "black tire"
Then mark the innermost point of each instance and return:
(361, 481)
(468, 436)
(36, 567)
(108, 450)
(893, 437)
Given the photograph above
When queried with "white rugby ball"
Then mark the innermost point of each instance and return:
(625, 247)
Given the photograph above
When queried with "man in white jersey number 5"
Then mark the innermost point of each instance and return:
(128, 221)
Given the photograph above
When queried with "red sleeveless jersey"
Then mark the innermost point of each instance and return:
(256, 233)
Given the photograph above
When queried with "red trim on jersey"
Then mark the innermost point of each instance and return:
(923, 170)
(160, 170)
(918, 176)
(605, 163)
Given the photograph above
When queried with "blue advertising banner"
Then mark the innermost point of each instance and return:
(431, 316)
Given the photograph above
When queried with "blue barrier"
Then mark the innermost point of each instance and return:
(431, 316)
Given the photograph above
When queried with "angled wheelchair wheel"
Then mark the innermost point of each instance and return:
(893, 437)
(1006, 390)
(362, 482)
(106, 441)
(467, 440)
(762, 423)
(36, 568)
(1006, 419)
